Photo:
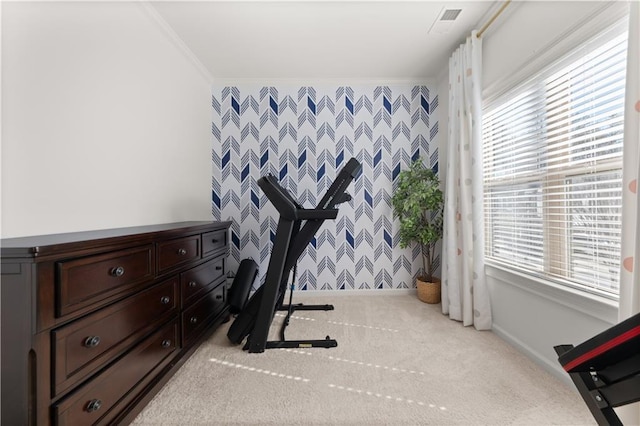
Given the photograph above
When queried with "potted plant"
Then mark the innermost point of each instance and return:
(418, 203)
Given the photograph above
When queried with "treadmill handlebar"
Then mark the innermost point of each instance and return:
(342, 198)
(317, 214)
(336, 191)
(353, 166)
(289, 208)
(279, 197)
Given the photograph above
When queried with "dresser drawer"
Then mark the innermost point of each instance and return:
(92, 402)
(199, 280)
(89, 280)
(89, 343)
(177, 252)
(197, 317)
(214, 241)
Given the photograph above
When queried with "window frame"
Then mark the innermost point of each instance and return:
(615, 20)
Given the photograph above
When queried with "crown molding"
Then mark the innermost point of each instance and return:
(177, 41)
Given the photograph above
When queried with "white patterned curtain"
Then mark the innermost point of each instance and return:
(630, 251)
(630, 271)
(464, 292)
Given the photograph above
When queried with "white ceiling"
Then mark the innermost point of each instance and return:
(370, 40)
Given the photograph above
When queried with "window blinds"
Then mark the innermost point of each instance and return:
(553, 169)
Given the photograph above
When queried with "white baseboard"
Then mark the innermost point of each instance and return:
(551, 366)
(339, 293)
(371, 292)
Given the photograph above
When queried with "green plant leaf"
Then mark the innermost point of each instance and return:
(418, 203)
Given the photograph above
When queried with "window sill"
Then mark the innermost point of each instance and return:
(590, 304)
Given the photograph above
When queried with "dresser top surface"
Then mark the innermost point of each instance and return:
(38, 245)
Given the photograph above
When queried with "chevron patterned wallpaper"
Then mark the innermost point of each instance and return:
(304, 135)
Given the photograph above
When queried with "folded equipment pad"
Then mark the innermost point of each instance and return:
(606, 369)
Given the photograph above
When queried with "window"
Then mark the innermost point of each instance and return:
(553, 169)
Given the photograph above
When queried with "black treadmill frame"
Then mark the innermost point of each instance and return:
(291, 239)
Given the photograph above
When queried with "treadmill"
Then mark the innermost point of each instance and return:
(296, 228)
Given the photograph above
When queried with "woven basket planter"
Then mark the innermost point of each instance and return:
(429, 292)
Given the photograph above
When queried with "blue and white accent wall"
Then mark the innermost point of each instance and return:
(304, 135)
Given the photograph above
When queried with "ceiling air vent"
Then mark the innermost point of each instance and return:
(450, 14)
(444, 21)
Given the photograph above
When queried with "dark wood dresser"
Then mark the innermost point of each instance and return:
(95, 323)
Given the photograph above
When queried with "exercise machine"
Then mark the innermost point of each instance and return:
(606, 369)
(296, 228)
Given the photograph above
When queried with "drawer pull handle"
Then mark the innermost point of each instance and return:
(182, 252)
(192, 284)
(214, 241)
(218, 296)
(93, 405)
(218, 268)
(117, 272)
(165, 300)
(166, 343)
(193, 320)
(92, 341)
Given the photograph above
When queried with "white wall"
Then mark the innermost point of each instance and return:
(105, 120)
(529, 313)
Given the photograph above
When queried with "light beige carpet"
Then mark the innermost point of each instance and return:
(398, 362)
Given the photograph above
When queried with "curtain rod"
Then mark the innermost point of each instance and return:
(493, 18)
